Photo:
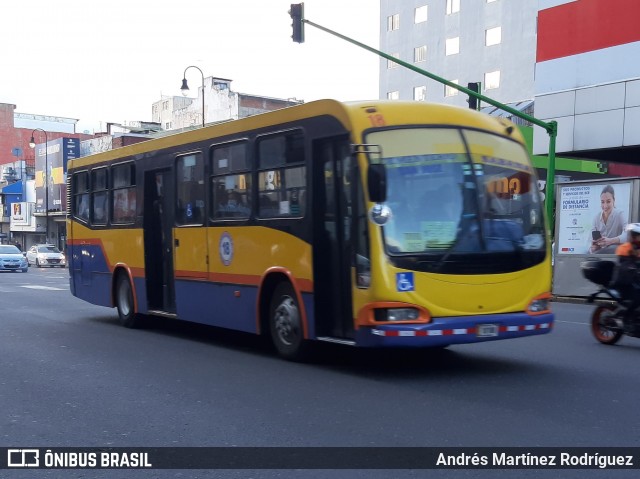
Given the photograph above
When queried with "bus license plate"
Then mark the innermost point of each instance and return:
(487, 330)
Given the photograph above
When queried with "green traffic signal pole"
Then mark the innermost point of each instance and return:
(550, 127)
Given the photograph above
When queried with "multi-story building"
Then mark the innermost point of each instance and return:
(463, 41)
(220, 104)
(22, 178)
(588, 78)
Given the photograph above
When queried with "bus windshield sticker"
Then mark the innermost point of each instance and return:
(226, 248)
(404, 282)
(517, 164)
(424, 160)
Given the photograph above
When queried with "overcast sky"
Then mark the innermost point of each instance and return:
(109, 61)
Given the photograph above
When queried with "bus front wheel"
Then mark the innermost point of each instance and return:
(124, 303)
(285, 323)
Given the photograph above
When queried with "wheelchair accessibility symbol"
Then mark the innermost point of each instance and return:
(404, 282)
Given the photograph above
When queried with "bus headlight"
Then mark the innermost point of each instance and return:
(538, 305)
(397, 314)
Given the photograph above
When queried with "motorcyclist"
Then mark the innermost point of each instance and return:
(628, 274)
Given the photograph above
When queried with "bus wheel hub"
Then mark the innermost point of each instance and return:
(287, 321)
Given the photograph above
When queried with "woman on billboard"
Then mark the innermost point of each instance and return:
(608, 225)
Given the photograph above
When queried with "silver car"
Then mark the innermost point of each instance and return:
(12, 259)
(46, 255)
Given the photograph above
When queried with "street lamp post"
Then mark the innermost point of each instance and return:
(185, 87)
(32, 144)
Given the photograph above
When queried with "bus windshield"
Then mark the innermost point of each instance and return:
(453, 190)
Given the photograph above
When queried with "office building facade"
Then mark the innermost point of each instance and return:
(463, 41)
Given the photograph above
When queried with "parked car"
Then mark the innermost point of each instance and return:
(12, 259)
(46, 255)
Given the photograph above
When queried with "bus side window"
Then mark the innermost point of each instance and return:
(230, 182)
(282, 175)
(80, 187)
(190, 190)
(123, 194)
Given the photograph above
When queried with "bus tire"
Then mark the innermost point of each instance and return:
(124, 303)
(285, 323)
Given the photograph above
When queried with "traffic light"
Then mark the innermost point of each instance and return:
(474, 102)
(297, 15)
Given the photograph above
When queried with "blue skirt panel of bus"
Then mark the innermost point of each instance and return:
(90, 275)
(96, 290)
(215, 304)
(456, 330)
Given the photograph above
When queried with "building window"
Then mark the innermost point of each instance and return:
(452, 46)
(393, 22)
(392, 64)
(393, 95)
(453, 6)
(493, 36)
(420, 54)
(420, 93)
(492, 80)
(450, 91)
(420, 14)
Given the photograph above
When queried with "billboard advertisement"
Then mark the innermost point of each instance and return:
(51, 172)
(592, 217)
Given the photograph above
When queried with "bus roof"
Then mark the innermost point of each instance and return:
(354, 116)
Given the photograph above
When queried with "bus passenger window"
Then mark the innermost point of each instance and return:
(99, 216)
(282, 180)
(190, 190)
(230, 184)
(80, 194)
(82, 206)
(123, 196)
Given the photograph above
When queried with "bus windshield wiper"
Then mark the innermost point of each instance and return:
(462, 232)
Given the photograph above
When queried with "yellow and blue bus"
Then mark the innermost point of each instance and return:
(400, 224)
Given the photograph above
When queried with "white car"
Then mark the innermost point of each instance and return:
(46, 255)
(12, 259)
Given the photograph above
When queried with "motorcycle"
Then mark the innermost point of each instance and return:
(608, 323)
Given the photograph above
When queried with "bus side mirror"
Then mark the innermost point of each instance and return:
(377, 183)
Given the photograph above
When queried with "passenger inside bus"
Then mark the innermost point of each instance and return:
(234, 206)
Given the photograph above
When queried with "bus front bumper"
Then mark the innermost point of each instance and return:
(455, 330)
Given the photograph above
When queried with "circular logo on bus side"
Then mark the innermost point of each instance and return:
(226, 248)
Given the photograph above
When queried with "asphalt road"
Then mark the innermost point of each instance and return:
(70, 376)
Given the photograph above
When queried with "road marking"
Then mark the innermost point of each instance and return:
(570, 322)
(48, 288)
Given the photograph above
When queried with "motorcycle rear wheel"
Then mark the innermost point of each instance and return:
(604, 326)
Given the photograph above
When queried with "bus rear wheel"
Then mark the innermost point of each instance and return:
(285, 323)
(124, 303)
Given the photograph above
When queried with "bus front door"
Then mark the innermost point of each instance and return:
(158, 240)
(191, 260)
(332, 239)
